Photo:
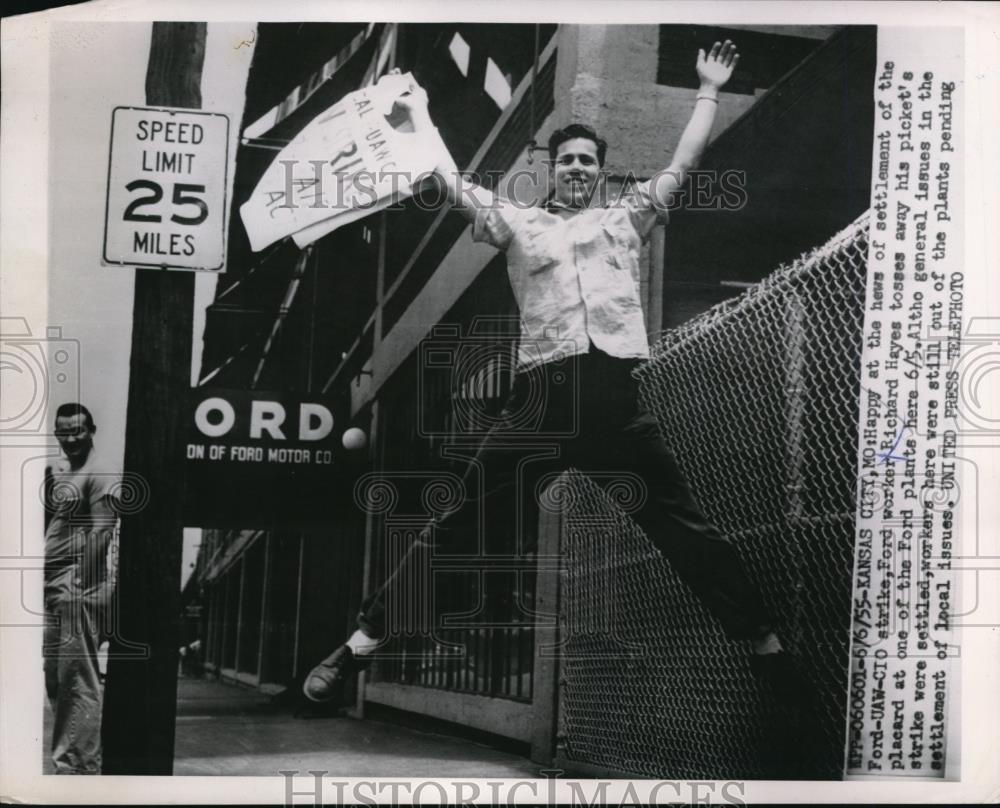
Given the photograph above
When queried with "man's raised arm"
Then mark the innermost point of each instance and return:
(464, 195)
(714, 71)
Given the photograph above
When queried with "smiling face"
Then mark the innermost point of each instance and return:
(575, 171)
(75, 437)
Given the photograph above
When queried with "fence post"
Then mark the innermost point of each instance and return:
(545, 689)
(795, 454)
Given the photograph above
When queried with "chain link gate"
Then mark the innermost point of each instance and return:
(758, 400)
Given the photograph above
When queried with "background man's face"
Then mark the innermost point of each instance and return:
(75, 438)
(575, 171)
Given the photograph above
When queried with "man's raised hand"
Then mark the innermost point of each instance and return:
(715, 69)
(415, 99)
(412, 106)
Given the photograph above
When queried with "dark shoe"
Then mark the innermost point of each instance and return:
(326, 681)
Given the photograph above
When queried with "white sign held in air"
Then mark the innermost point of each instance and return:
(166, 203)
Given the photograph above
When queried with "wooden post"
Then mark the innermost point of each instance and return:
(545, 690)
(141, 694)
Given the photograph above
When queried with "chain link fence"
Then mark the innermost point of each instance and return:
(758, 400)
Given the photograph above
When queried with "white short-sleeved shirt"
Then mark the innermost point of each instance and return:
(576, 279)
(70, 539)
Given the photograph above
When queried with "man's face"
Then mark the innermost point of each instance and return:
(75, 438)
(575, 171)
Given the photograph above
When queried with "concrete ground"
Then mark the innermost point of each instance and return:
(230, 730)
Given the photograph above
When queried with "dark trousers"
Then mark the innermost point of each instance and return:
(583, 413)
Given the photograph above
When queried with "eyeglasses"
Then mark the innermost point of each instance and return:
(79, 432)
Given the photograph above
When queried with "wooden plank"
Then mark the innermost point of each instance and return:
(511, 719)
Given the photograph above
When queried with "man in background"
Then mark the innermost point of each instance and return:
(82, 517)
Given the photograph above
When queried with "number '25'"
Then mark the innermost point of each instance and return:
(183, 195)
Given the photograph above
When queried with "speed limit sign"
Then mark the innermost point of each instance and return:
(166, 200)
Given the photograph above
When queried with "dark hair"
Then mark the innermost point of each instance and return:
(575, 130)
(71, 409)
